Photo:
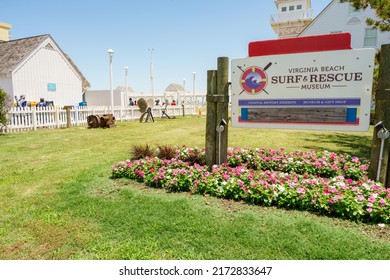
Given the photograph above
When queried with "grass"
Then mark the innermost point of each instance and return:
(58, 202)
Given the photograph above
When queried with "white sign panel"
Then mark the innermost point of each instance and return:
(321, 90)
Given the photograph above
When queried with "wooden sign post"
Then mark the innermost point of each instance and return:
(382, 113)
(217, 110)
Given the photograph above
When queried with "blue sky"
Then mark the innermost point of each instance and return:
(188, 36)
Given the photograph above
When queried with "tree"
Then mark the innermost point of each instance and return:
(382, 9)
(5, 104)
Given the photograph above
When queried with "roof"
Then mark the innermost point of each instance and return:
(123, 88)
(13, 52)
(315, 19)
(174, 88)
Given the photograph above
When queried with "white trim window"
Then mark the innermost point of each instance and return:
(370, 37)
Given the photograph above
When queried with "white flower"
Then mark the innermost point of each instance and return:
(366, 186)
(340, 184)
(381, 225)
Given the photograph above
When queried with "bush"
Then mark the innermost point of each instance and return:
(5, 104)
(192, 155)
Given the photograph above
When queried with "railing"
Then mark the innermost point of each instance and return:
(291, 16)
(32, 118)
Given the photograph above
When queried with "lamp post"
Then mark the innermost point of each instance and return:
(151, 72)
(184, 91)
(193, 89)
(110, 54)
(127, 93)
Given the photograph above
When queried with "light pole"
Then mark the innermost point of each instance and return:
(127, 93)
(110, 54)
(151, 72)
(193, 89)
(184, 91)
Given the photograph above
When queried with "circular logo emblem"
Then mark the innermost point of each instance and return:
(253, 80)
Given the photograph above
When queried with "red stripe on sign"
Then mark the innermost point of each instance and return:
(317, 43)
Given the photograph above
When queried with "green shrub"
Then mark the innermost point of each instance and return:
(5, 104)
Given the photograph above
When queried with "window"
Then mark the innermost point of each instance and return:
(284, 9)
(291, 8)
(299, 7)
(370, 37)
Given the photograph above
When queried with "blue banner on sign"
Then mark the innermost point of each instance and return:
(300, 102)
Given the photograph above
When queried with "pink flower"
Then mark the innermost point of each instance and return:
(360, 197)
(371, 199)
(355, 160)
(382, 202)
(369, 210)
(370, 204)
(301, 190)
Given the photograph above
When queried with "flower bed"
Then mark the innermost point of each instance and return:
(324, 182)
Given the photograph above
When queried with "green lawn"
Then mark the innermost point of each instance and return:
(58, 202)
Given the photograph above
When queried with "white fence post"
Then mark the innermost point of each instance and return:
(76, 117)
(57, 116)
(34, 117)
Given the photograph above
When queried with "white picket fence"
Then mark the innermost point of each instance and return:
(32, 118)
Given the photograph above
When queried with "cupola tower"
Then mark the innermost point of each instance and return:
(293, 16)
(4, 33)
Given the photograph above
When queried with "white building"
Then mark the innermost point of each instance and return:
(103, 97)
(342, 17)
(293, 16)
(37, 68)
